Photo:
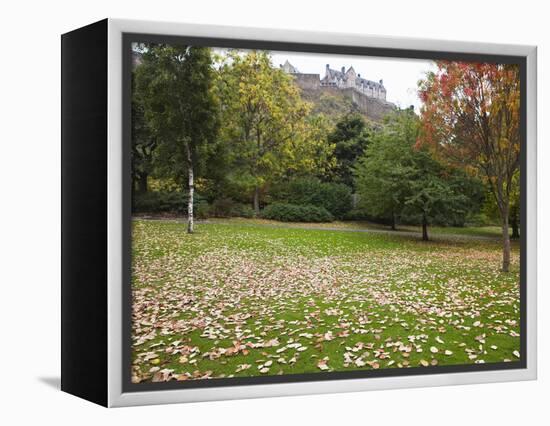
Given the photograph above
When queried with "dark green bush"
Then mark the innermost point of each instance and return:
(226, 207)
(334, 197)
(168, 202)
(357, 214)
(296, 213)
(222, 207)
(242, 210)
(160, 202)
(201, 209)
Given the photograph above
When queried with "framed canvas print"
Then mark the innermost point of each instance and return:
(251, 212)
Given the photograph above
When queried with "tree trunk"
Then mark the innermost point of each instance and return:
(190, 223)
(257, 200)
(393, 222)
(505, 243)
(515, 225)
(424, 228)
(142, 183)
(133, 197)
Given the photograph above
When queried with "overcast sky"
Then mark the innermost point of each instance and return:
(400, 75)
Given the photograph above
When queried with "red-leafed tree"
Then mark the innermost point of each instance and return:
(470, 117)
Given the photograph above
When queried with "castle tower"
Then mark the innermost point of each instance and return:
(289, 68)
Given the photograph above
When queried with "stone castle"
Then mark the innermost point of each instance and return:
(369, 96)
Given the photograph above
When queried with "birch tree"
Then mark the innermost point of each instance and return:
(174, 84)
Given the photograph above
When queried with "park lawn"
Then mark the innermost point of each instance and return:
(475, 231)
(256, 300)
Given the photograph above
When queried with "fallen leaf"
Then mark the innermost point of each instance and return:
(322, 365)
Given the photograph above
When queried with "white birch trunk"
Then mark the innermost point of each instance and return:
(190, 223)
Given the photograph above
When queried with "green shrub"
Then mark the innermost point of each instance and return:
(201, 209)
(242, 210)
(296, 213)
(160, 202)
(222, 207)
(168, 202)
(227, 207)
(481, 219)
(357, 214)
(334, 197)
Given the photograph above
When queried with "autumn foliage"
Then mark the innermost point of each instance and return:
(471, 118)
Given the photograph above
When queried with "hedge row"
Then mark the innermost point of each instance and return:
(176, 202)
(296, 213)
(334, 197)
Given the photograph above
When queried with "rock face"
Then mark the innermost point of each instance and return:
(373, 108)
(364, 96)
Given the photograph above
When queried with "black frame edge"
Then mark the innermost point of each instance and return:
(84, 212)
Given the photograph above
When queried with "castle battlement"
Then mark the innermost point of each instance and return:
(340, 79)
(368, 95)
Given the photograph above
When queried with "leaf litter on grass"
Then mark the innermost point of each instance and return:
(224, 300)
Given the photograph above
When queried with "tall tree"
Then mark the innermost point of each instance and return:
(395, 178)
(174, 84)
(432, 197)
(380, 175)
(143, 144)
(470, 116)
(350, 137)
(266, 122)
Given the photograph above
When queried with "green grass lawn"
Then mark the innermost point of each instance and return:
(246, 299)
(477, 231)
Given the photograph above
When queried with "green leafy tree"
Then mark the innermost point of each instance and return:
(432, 196)
(474, 190)
(396, 179)
(381, 176)
(350, 137)
(144, 143)
(266, 123)
(174, 85)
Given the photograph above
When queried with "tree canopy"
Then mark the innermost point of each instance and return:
(241, 132)
(174, 85)
(470, 118)
(350, 137)
(395, 178)
(267, 124)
